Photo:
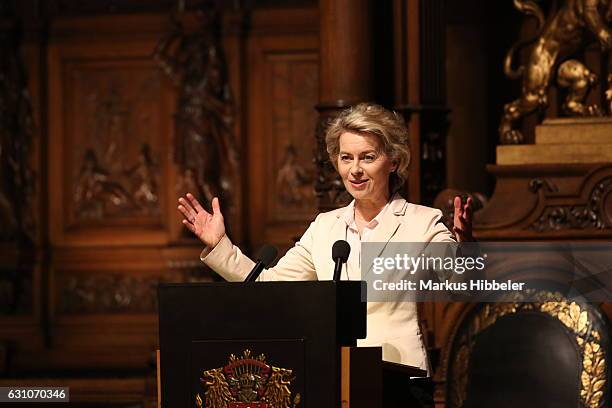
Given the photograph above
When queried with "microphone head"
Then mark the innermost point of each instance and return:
(341, 250)
(267, 254)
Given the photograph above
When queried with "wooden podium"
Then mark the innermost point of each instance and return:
(267, 345)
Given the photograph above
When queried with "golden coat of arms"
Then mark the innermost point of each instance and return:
(247, 382)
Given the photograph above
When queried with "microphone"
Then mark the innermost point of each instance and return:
(265, 256)
(340, 253)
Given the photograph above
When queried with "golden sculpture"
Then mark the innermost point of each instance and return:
(217, 390)
(574, 75)
(278, 393)
(564, 32)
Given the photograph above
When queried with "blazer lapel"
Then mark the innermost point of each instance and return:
(337, 231)
(389, 224)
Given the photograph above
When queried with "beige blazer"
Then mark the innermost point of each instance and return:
(392, 325)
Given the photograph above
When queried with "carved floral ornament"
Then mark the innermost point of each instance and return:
(572, 315)
(113, 293)
(595, 213)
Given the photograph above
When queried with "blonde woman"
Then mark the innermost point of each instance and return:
(368, 146)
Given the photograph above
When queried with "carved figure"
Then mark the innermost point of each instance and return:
(205, 114)
(16, 134)
(292, 180)
(564, 32)
(8, 219)
(96, 193)
(578, 78)
(217, 393)
(144, 175)
(277, 393)
(115, 133)
(609, 94)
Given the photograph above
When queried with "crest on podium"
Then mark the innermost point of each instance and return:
(247, 381)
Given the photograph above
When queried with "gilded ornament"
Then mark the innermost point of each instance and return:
(250, 380)
(560, 33)
(570, 314)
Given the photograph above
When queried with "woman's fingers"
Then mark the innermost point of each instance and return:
(186, 213)
(189, 226)
(195, 203)
(463, 213)
(194, 213)
(187, 206)
(467, 210)
(458, 209)
(463, 220)
(215, 206)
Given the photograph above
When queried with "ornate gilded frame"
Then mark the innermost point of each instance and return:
(577, 318)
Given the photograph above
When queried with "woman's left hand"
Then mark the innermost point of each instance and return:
(462, 223)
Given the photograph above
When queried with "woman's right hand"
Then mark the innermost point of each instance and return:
(206, 226)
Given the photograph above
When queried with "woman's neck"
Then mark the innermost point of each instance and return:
(368, 209)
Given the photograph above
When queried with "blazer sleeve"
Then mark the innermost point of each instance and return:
(436, 231)
(228, 261)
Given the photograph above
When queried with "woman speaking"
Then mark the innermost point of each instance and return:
(368, 146)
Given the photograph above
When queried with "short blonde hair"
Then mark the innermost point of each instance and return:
(373, 119)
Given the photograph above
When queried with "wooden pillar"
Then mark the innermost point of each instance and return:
(420, 91)
(346, 51)
(345, 78)
(420, 95)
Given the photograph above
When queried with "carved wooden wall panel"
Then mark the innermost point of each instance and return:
(111, 193)
(107, 181)
(283, 90)
(109, 135)
(293, 89)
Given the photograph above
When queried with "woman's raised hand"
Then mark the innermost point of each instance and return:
(462, 222)
(206, 226)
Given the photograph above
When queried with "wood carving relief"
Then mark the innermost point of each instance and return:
(108, 293)
(283, 83)
(293, 180)
(16, 285)
(329, 188)
(17, 178)
(113, 292)
(570, 200)
(78, 7)
(205, 144)
(294, 82)
(116, 172)
(16, 134)
(595, 213)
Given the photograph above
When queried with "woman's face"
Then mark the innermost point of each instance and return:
(364, 167)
